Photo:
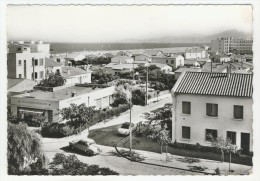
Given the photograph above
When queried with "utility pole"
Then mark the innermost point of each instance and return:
(131, 101)
(146, 96)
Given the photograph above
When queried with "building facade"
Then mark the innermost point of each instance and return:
(194, 53)
(232, 45)
(27, 60)
(49, 103)
(213, 104)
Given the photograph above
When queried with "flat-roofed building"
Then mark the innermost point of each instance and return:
(49, 103)
(232, 45)
(217, 104)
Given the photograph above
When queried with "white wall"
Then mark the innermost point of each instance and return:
(199, 122)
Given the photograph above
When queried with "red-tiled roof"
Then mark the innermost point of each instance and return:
(218, 84)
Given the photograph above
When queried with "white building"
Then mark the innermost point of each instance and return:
(74, 75)
(163, 67)
(194, 53)
(219, 104)
(23, 63)
(48, 103)
(174, 60)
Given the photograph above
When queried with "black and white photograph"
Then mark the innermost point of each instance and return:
(129, 89)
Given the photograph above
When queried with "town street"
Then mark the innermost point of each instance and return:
(121, 165)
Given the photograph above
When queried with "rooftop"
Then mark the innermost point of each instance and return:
(194, 50)
(121, 66)
(73, 71)
(50, 62)
(58, 95)
(188, 69)
(159, 65)
(152, 52)
(13, 82)
(218, 84)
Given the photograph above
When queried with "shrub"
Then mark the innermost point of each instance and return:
(60, 130)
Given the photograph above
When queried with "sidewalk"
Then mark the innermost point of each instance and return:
(177, 161)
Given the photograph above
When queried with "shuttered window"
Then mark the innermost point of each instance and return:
(212, 110)
(185, 132)
(238, 112)
(185, 107)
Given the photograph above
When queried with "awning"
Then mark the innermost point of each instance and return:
(31, 111)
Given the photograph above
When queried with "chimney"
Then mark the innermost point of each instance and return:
(53, 94)
(228, 71)
(68, 71)
(67, 91)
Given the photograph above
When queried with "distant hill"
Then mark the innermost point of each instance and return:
(194, 38)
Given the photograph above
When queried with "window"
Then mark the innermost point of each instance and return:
(41, 61)
(41, 74)
(185, 132)
(211, 132)
(238, 112)
(35, 62)
(232, 136)
(212, 110)
(172, 62)
(19, 62)
(166, 61)
(20, 76)
(19, 49)
(35, 75)
(185, 107)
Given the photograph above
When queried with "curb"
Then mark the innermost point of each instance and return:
(146, 163)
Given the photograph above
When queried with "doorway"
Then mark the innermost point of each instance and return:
(245, 143)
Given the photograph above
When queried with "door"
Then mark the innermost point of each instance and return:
(245, 143)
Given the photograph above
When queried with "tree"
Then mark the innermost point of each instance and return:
(122, 94)
(71, 165)
(160, 134)
(79, 113)
(24, 150)
(224, 146)
(53, 80)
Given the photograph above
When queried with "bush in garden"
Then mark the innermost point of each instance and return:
(59, 130)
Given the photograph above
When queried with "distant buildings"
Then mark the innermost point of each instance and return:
(217, 104)
(232, 45)
(173, 60)
(117, 68)
(194, 53)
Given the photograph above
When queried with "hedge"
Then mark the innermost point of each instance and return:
(60, 130)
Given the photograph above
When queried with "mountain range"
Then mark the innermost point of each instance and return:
(194, 38)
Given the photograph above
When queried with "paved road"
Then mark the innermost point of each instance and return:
(137, 113)
(118, 164)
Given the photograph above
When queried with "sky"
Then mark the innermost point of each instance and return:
(118, 23)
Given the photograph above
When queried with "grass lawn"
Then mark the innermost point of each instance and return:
(109, 137)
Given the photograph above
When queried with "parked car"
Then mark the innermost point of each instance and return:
(87, 147)
(124, 129)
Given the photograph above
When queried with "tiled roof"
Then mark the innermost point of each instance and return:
(152, 52)
(49, 62)
(218, 84)
(73, 71)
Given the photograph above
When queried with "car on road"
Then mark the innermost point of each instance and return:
(124, 129)
(88, 147)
